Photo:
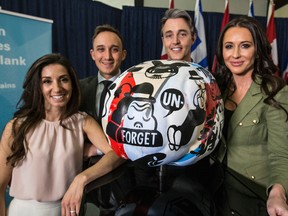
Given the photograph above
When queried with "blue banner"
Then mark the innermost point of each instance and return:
(23, 39)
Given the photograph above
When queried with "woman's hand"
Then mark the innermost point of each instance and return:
(71, 201)
(276, 203)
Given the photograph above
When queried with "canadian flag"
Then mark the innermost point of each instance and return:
(285, 74)
(163, 53)
(225, 20)
(271, 33)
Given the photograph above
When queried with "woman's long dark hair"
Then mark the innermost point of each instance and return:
(30, 107)
(264, 68)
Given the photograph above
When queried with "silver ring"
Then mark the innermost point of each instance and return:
(72, 211)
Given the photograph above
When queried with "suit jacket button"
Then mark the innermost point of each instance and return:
(240, 124)
(253, 177)
(255, 121)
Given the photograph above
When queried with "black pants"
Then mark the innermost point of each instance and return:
(237, 199)
(200, 180)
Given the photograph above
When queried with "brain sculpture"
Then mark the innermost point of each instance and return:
(164, 112)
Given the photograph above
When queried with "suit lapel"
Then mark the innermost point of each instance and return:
(251, 99)
(92, 94)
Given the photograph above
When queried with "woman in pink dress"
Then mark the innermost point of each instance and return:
(41, 149)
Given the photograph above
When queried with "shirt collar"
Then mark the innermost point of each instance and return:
(101, 78)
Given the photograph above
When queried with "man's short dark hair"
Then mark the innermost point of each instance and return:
(106, 28)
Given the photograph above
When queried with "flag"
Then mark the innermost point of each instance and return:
(163, 53)
(251, 9)
(225, 20)
(285, 74)
(198, 49)
(171, 4)
(271, 33)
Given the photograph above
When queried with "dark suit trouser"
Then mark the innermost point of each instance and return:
(238, 200)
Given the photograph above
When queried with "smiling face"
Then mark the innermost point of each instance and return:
(239, 51)
(56, 86)
(177, 39)
(108, 53)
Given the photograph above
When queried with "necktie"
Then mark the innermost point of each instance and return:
(106, 84)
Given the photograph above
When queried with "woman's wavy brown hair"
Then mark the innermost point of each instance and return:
(264, 68)
(30, 107)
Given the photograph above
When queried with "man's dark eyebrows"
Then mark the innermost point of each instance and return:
(183, 30)
(168, 32)
(100, 46)
(179, 31)
(115, 46)
(103, 46)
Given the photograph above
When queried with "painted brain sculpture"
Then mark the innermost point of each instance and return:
(163, 112)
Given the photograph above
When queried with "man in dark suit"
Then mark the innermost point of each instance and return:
(108, 53)
(178, 35)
